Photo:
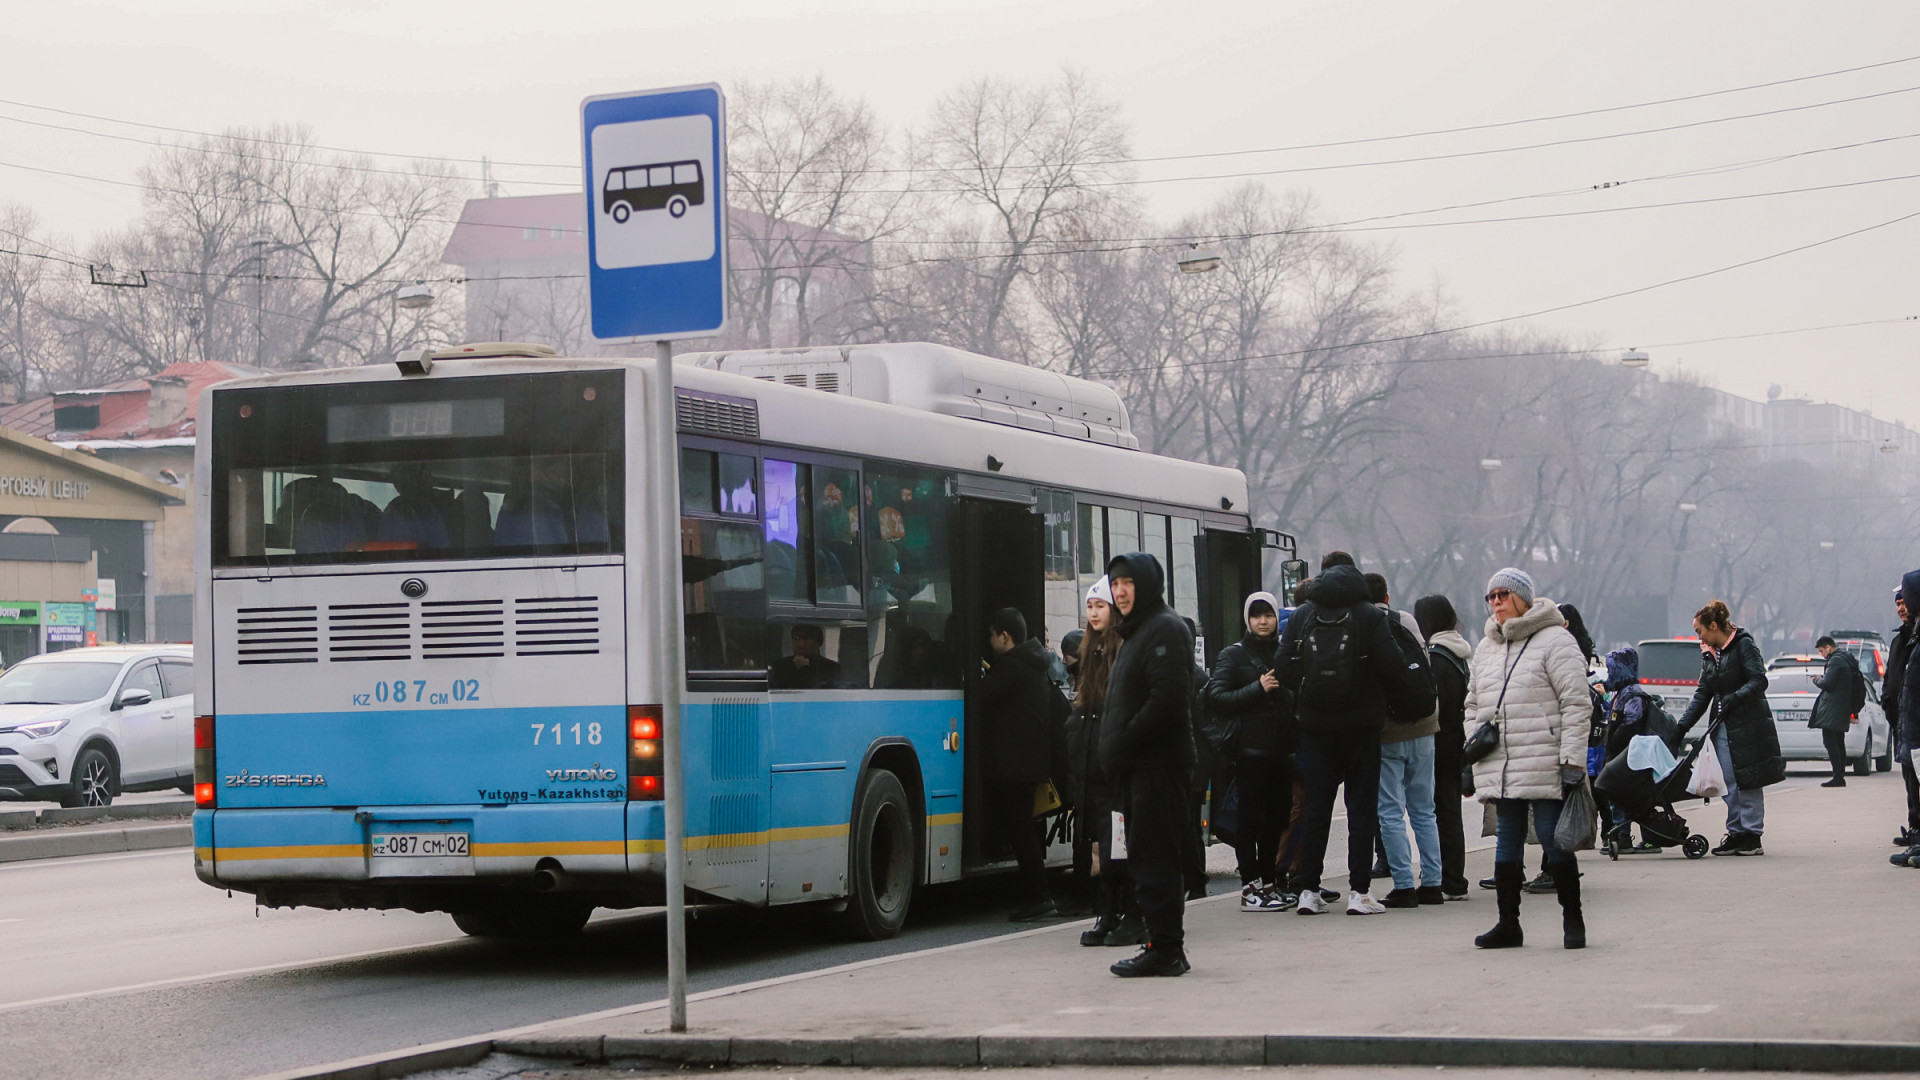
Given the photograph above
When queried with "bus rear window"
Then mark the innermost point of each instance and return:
(1670, 661)
(451, 468)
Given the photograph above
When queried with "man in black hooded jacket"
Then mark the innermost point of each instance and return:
(1339, 725)
(1146, 750)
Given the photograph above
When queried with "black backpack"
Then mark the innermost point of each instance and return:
(1411, 697)
(1329, 666)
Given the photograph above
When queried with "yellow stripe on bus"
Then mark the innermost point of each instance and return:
(937, 820)
(303, 851)
(559, 847)
(733, 840)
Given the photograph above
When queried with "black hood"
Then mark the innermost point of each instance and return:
(1338, 586)
(1031, 653)
(1149, 586)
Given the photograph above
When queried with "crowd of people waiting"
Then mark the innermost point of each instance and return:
(1340, 695)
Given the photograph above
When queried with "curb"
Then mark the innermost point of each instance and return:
(451, 1054)
(1151, 1050)
(59, 843)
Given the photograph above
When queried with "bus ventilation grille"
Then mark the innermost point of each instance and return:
(462, 629)
(277, 635)
(556, 626)
(717, 414)
(732, 835)
(365, 632)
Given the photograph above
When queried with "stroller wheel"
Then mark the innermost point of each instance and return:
(1695, 847)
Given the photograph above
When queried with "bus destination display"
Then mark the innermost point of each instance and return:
(464, 419)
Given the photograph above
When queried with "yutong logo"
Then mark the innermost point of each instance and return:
(569, 776)
(596, 774)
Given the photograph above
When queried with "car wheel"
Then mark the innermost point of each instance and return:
(1863, 764)
(621, 212)
(1884, 763)
(94, 781)
(880, 865)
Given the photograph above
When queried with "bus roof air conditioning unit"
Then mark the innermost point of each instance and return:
(940, 379)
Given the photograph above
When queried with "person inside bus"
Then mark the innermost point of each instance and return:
(421, 514)
(555, 507)
(805, 669)
(1014, 702)
(321, 515)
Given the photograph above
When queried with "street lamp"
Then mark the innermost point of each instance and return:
(1826, 545)
(1198, 260)
(415, 296)
(1889, 447)
(1688, 508)
(1490, 464)
(1634, 358)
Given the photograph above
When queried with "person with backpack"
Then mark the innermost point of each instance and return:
(1630, 713)
(1406, 774)
(1014, 695)
(1449, 654)
(1529, 681)
(1340, 661)
(1843, 693)
(1146, 750)
(1250, 719)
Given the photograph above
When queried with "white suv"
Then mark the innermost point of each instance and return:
(83, 725)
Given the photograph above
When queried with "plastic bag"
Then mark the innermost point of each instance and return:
(1708, 781)
(1118, 845)
(1225, 823)
(1579, 820)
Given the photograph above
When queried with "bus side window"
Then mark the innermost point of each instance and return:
(836, 535)
(1186, 572)
(909, 578)
(789, 529)
(688, 173)
(726, 601)
(811, 655)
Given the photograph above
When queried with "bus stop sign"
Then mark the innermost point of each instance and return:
(656, 170)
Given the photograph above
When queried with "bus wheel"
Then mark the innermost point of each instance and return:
(677, 206)
(621, 212)
(880, 870)
(543, 918)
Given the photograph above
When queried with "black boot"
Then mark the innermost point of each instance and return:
(1153, 960)
(1109, 915)
(1566, 882)
(1507, 879)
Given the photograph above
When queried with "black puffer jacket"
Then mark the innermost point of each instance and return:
(1376, 655)
(1014, 701)
(1234, 691)
(1147, 724)
(1735, 682)
(1897, 654)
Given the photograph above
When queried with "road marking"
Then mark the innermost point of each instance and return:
(12, 920)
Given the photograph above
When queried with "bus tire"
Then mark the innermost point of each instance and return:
(880, 859)
(621, 212)
(677, 206)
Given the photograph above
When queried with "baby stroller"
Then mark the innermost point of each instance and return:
(1648, 803)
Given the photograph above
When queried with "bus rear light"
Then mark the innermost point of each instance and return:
(203, 769)
(646, 749)
(645, 788)
(643, 721)
(644, 753)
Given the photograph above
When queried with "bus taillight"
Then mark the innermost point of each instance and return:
(203, 761)
(644, 764)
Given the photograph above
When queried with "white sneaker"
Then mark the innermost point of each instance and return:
(1311, 903)
(1260, 896)
(1364, 904)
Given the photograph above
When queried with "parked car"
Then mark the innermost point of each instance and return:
(84, 725)
(1791, 692)
(1866, 646)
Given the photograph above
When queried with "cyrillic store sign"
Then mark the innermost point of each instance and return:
(40, 487)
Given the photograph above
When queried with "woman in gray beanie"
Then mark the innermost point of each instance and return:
(1529, 679)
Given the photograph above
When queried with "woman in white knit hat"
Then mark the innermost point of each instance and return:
(1119, 920)
(1529, 680)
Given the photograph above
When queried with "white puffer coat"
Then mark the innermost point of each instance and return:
(1547, 712)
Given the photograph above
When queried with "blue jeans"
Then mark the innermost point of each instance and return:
(1406, 792)
(1510, 829)
(1746, 810)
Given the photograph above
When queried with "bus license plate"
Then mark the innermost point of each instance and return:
(420, 855)
(418, 845)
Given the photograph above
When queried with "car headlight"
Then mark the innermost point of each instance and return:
(40, 729)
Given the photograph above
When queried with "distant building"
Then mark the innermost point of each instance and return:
(525, 259)
(137, 429)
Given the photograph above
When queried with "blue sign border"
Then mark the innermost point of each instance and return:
(674, 300)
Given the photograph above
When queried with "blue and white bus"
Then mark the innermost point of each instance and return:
(424, 620)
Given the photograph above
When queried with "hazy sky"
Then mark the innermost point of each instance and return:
(463, 79)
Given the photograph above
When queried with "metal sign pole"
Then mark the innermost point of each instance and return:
(672, 656)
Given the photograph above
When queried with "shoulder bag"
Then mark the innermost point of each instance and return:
(1487, 736)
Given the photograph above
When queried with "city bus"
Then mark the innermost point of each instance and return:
(425, 620)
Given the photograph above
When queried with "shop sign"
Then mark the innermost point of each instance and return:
(41, 487)
(67, 635)
(19, 612)
(61, 613)
(107, 597)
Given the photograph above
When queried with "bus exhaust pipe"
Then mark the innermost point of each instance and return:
(551, 879)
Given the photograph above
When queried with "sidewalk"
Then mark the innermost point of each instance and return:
(1810, 943)
(132, 825)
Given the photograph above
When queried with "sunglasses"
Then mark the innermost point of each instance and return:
(1498, 595)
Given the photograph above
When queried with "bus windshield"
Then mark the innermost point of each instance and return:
(1670, 661)
(460, 468)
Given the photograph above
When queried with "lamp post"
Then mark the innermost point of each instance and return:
(1634, 358)
(1198, 260)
